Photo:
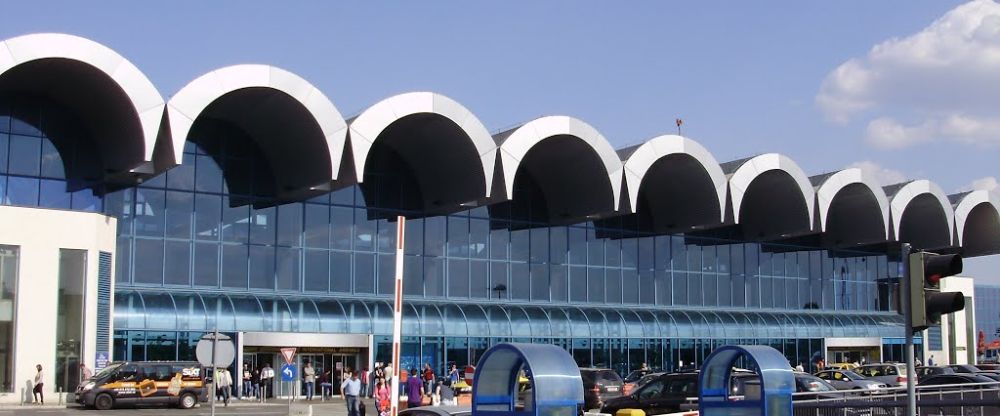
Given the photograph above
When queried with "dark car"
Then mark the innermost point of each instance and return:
(964, 368)
(633, 380)
(663, 394)
(957, 378)
(599, 386)
(927, 371)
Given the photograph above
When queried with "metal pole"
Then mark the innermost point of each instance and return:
(911, 375)
(215, 372)
(397, 315)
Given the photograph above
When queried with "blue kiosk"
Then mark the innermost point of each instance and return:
(771, 397)
(553, 387)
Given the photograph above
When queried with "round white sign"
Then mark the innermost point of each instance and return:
(224, 355)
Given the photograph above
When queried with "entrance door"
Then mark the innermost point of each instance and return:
(319, 363)
(339, 364)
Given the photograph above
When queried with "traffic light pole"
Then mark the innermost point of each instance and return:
(911, 374)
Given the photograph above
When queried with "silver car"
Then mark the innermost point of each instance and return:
(849, 380)
(892, 374)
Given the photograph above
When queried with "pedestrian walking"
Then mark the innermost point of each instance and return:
(266, 377)
(428, 377)
(225, 382)
(378, 375)
(382, 397)
(309, 376)
(364, 381)
(36, 392)
(414, 389)
(349, 391)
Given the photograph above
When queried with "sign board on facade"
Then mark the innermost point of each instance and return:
(288, 354)
(100, 361)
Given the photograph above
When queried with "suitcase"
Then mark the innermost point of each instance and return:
(361, 407)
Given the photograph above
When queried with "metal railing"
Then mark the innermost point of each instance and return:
(974, 399)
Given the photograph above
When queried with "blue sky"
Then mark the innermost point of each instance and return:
(800, 78)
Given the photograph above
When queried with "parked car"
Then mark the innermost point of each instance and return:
(988, 367)
(849, 380)
(842, 366)
(663, 394)
(632, 379)
(964, 368)
(640, 382)
(957, 378)
(145, 383)
(892, 374)
(599, 386)
(924, 372)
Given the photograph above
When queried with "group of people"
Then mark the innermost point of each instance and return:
(418, 386)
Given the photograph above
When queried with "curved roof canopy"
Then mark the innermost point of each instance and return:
(921, 214)
(119, 106)
(977, 222)
(297, 128)
(770, 196)
(667, 169)
(573, 171)
(851, 208)
(446, 149)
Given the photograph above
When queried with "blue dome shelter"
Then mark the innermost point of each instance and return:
(777, 383)
(555, 386)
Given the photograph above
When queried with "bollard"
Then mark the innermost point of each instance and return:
(59, 393)
(22, 396)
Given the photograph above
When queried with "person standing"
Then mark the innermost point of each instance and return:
(245, 385)
(349, 391)
(36, 392)
(382, 397)
(428, 377)
(364, 381)
(85, 373)
(378, 375)
(453, 375)
(325, 385)
(255, 383)
(266, 377)
(414, 389)
(309, 375)
(930, 361)
(388, 376)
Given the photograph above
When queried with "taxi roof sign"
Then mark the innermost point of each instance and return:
(288, 353)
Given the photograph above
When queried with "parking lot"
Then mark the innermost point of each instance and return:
(332, 407)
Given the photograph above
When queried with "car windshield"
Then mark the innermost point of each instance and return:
(812, 383)
(852, 375)
(111, 368)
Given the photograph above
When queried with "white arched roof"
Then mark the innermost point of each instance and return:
(146, 100)
(366, 128)
(909, 192)
(185, 106)
(741, 179)
(639, 162)
(516, 146)
(826, 192)
(966, 205)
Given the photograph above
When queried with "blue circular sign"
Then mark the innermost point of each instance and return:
(288, 372)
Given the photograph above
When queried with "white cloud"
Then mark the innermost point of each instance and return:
(884, 176)
(988, 183)
(940, 83)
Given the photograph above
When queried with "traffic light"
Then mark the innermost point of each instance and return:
(927, 301)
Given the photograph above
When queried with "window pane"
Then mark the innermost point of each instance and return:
(434, 284)
(317, 226)
(386, 274)
(180, 205)
(343, 227)
(540, 282)
(287, 268)
(613, 287)
(150, 267)
(458, 278)
(289, 224)
(25, 155)
(261, 267)
(520, 282)
(557, 245)
(177, 262)
(22, 191)
(182, 177)
(458, 236)
(234, 266)
(630, 286)
(208, 176)
(560, 282)
(519, 245)
(479, 279)
(235, 222)
(206, 263)
(53, 194)
(479, 235)
(499, 280)
(434, 236)
(578, 284)
(364, 273)
(317, 270)
(340, 272)
(540, 246)
(207, 216)
(4, 146)
(364, 231)
(52, 164)
(263, 225)
(595, 284)
(149, 212)
(413, 269)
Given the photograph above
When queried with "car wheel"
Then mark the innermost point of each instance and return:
(103, 401)
(187, 401)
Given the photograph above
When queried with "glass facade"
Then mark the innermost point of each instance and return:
(207, 243)
(69, 317)
(988, 311)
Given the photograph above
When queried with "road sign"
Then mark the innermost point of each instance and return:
(288, 372)
(289, 354)
(224, 354)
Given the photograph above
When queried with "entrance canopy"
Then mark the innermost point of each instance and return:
(553, 375)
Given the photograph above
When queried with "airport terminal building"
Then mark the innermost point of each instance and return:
(246, 202)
